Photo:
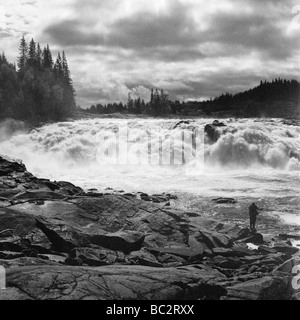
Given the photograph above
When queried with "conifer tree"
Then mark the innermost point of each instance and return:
(39, 56)
(58, 66)
(36, 92)
(23, 51)
(66, 71)
(47, 58)
(130, 103)
(3, 59)
(32, 56)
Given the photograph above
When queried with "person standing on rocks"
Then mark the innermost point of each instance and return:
(253, 213)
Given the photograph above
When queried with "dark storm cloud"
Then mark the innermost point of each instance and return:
(170, 54)
(249, 32)
(168, 38)
(173, 36)
(219, 41)
(68, 33)
(138, 31)
(173, 29)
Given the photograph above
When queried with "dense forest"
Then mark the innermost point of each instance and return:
(37, 89)
(158, 105)
(276, 98)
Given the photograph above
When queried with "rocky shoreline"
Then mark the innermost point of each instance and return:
(59, 242)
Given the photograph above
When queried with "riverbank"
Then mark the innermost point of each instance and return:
(58, 241)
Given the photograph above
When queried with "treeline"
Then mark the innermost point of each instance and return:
(159, 105)
(269, 98)
(274, 98)
(37, 89)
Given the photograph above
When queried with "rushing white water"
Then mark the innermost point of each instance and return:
(255, 158)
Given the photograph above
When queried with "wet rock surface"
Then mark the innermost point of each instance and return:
(59, 242)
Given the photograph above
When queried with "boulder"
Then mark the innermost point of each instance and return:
(284, 236)
(236, 251)
(227, 263)
(213, 239)
(266, 288)
(244, 251)
(178, 124)
(53, 258)
(169, 259)
(125, 241)
(235, 232)
(144, 258)
(285, 248)
(224, 252)
(217, 123)
(9, 166)
(225, 201)
(9, 255)
(69, 188)
(58, 243)
(91, 256)
(256, 238)
(17, 223)
(288, 266)
(266, 250)
(183, 252)
(212, 133)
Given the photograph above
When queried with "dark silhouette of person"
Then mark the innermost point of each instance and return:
(253, 212)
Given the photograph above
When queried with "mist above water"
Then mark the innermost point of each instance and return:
(253, 157)
(10, 127)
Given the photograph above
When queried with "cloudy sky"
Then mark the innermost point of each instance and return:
(194, 49)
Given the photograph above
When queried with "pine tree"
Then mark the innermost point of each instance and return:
(143, 106)
(58, 66)
(39, 56)
(32, 61)
(44, 95)
(164, 102)
(66, 72)
(138, 106)
(152, 97)
(3, 59)
(156, 104)
(23, 51)
(130, 103)
(47, 58)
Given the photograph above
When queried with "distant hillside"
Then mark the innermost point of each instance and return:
(279, 98)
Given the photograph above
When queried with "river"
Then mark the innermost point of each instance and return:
(253, 159)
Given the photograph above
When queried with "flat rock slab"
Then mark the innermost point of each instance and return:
(267, 288)
(109, 283)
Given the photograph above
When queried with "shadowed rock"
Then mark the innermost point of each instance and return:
(58, 242)
(267, 288)
(112, 283)
(8, 166)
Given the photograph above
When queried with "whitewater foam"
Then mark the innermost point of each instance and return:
(241, 163)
